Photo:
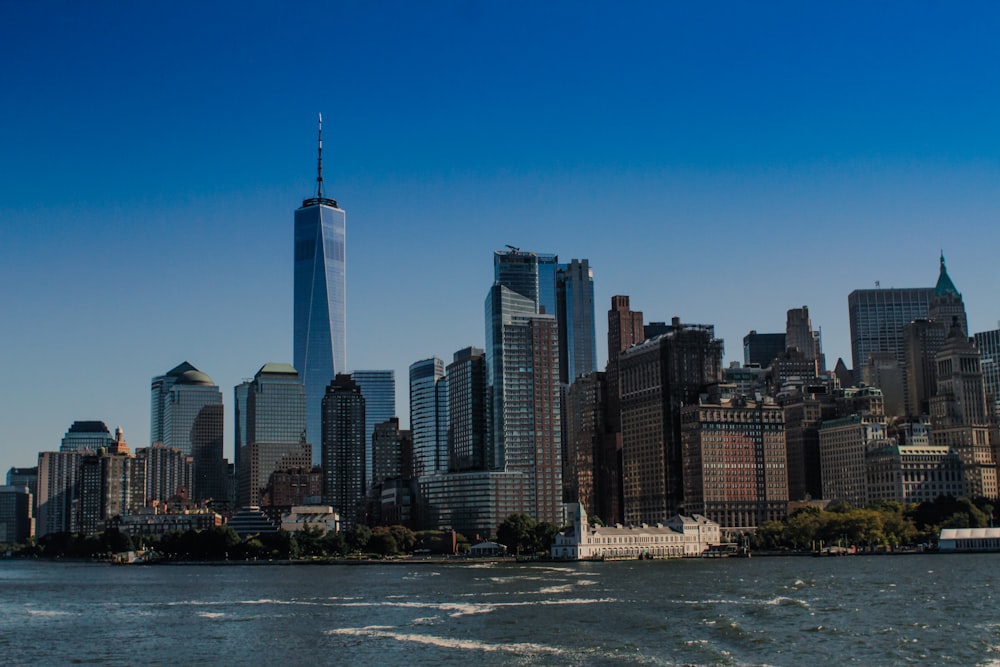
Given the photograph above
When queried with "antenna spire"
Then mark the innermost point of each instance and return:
(319, 168)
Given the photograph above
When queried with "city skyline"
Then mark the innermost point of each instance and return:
(720, 165)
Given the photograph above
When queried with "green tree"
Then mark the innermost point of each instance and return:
(517, 533)
(357, 537)
(382, 542)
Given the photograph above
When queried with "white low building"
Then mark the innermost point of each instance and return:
(969, 539)
(311, 516)
(680, 536)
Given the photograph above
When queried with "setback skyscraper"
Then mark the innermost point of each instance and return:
(320, 301)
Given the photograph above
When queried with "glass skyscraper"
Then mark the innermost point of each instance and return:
(379, 391)
(574, 284)
(275, 419)
(429, 416)
(320, 300)
(186, 415)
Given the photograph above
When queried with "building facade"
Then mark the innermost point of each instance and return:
(379, 391)
(658, 376)
(343, 453)
(320, 298)
(87, 435)
(468, 411)
(575, 313)
(429, 420)
(877, 318)
(275, 424)
(735, 465)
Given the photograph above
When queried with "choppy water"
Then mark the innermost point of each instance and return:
(763, 611)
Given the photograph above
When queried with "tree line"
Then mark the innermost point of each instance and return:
(885, 525)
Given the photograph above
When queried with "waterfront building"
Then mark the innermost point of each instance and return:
(843, 443)
(153, 522)
(187, 415)
(585, 471)
(735, 465)
(913, 473)
(16, 518)
(320, 298)
(467, 410)
(575, 313)
(379, 391)
(110, 484)
(343, 453)
(959, 415)
(658, 376)
(89, 435)
(275, 423)
(28, 478)
(760, 349)
(625, 329)
(169, 472)
(429, 420)
(58, 489)
(295, 486)
(471, 503)
(680, 536)
(392, 449)
(312, 517)
(805, 411)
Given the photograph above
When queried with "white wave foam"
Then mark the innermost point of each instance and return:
(381, 632)
(210, 614)
(565, 588)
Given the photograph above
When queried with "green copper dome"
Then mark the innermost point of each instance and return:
(944, 285)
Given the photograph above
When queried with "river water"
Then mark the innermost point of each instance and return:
(877, 610)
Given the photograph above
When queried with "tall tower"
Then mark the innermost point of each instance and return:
(467, 410)
(186, 415)
(429, 416)
(575, 310)
(275, 429)
(344, 448)
(320, 300)
(379, 390)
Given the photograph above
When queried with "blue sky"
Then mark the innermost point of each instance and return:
(722, 162)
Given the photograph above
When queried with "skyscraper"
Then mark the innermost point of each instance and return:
(275, 429)
(343, 453)
(86, 435)
(379, 390)
(320, 300)
(186, 411)
(658, 376)
(575, 311)
(467, 410)
(429, 416)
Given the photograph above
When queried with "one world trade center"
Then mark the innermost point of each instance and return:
(320, 299)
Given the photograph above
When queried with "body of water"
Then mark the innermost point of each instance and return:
(926, 609)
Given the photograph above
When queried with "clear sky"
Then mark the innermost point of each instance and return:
(721, 162)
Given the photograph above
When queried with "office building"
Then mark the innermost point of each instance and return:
(988, 343)
(392, 449)
(275, 423)
(111, 484)
(799, 335)
(575, 313)
(343, 453)
(295, 486)
(911, 474)
(588, 478)
(625, 329)
(877, 318)
(760, 349)
(58, 488)
(187, 415)
(429, 421)
(658, 376)
(28, 478)
(16, 518)
(320, 299)
(169, 473)
(86, 435)
(379, 391)
(843, 443)
(467, 410)
(735, 465)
